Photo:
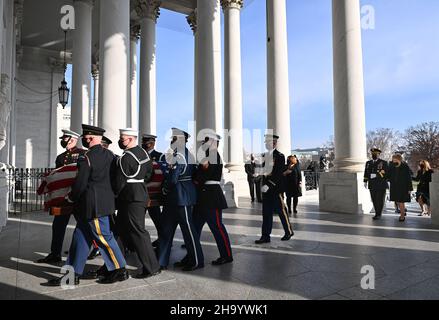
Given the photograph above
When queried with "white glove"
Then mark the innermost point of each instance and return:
(264, 188)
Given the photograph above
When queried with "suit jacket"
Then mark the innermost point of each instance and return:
(273, 168)
(376, 174)
(128, 168)
(210, 195)
(92, 193)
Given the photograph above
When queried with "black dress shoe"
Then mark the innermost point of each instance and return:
(162, 268)
(57, 282)
(51, 258)
(221, 261)
(295, 211)
(287, 237)
(95, 274)
(192, 268)
(377, 217)
(261, 241)
(115, 276)
(146, 274)
(93, 254)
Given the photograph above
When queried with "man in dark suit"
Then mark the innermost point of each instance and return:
(253, 179)
(273, 190)
(134, 170)
(93, 200)
(375, 178)
(69, 140)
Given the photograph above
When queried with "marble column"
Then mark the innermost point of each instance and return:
(192, 21)
(342, 190)
(81, 64)
(278, 98)
(133, 115)
(114, 65)
(149, 11)
(95, 76)
(208, 100)
(234, 152)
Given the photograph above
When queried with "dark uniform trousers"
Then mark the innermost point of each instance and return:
(59, 226)
(131, 219)
(378, 196)
(97, 229)
(274, 203)
(180, 215)
(156, 216)
(214, 219)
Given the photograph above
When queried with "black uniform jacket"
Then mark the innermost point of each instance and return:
(210, 195)
(91, 193)
(129, 169)
(274, 167)
(376, 174)
(68, 157)
(250, 169)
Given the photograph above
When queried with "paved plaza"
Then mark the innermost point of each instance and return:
(322, 261)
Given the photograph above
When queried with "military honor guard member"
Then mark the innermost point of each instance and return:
(375, 178)
(211, 200)
(93, 200)
(272, 189)
(155, 184)
(134, 170)
(69, 141)
(106, 142)
(180, 197)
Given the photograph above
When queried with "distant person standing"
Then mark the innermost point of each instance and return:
(293, 183)
(375, 178)
(424, 177)
(252, 179)
(401, 186)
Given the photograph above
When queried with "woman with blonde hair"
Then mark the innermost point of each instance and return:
(423, 192)
(400, 183)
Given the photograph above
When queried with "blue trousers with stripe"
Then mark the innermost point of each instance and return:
(172, 216)
(214, 219)
(274, 203)
(98, 230)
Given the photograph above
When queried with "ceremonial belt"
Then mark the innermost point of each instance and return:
(135, 181)
(212, 182)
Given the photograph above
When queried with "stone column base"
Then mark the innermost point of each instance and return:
(434, 198)
(344, 193)
(3, 199)
(235, 185)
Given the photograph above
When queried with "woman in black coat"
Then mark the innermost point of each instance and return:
(423, 192)
(293, 182)
(400, 183)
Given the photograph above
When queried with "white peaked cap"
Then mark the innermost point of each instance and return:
(129, 132)
(70, 133)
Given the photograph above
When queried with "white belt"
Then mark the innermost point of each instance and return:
(135, 181)
(212, 182)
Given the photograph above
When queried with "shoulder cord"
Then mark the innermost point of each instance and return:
(139, 163)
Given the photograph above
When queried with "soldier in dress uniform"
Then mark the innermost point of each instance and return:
(375, 178)
(272, 189)
(211, 200)
(134, 170)
(93, 200)
(155, 184)
(180, 197)
(69, 140)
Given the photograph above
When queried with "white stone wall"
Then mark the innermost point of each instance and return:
(434, 197)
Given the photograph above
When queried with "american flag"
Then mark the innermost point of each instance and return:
(154, 186)
(57, 184)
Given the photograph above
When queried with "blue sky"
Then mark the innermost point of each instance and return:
(401, 67)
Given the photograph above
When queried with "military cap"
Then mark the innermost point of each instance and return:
(212, 135)
(375, 149)
(69, 133)
(129, 132)
(148, 137)
(106, 140)
(92, 130)
(180, 133)
(271, 137)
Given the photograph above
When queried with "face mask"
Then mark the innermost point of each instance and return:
(422, 166)
(64, 144)
(121, 145)
(85, 143)
(374, 156)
